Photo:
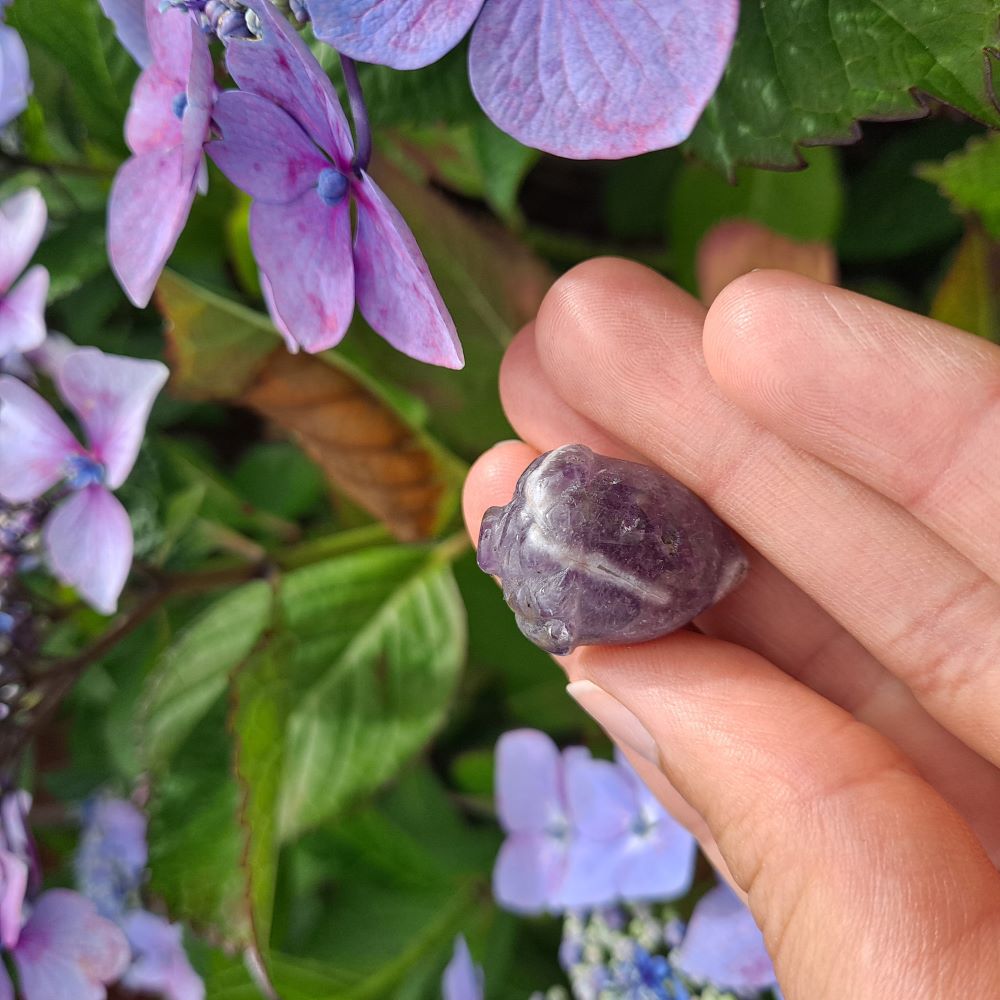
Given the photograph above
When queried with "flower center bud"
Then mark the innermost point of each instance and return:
(83, 471)
(179, 104)
(331, 186)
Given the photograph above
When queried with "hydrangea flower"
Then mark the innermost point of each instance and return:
(166, 129)
(581, 78)
(13, 885)
(160, 965)
(87, 537)
(129, 18)
(286, 142)
(724, 947)
(22, 305)
(463, 979)
(111, 857)
(15, 78)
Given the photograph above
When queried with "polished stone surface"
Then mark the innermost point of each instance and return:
(594, 550)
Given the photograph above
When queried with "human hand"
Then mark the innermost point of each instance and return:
(833, 739)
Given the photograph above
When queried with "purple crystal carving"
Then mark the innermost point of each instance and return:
(595, 550)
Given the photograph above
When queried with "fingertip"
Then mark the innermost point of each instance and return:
(491, 480)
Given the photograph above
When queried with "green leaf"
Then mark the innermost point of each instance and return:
(805, 205)
(381, 641)
(969, 295)
(193, 673)
(805, 71)
(277, 477)
(971, 180)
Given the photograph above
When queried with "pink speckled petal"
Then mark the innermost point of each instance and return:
(281, 68)
(404, 34)
(22, 223)
(396, 293)
(112, 396)
(170, 39)
(13, 884)
(149, 204)
(15, 78)
(34, 443)
(151, 123)
(22, 313)
(593, 79)
(88, 542)
(68, 952)
(304, 250)
(201, 95)
(129, 17)
(262, 150)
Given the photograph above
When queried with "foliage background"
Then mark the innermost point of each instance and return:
(310, 673)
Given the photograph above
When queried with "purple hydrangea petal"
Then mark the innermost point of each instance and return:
(34, 443)
(201, 96)
(150, 201)
(658, 865)
(14, 809)
(529, 871)
(529, 782)
(592, 80)
(160, 965)
(304, 250)
(170, 39)
(281, 68)
(589, 879)
(151, 123)
(13, 885)
(88, 542)
(110, 861)
(112, 396)
(463, 979)
(723, 946)
(22, 313)
(22, 224)
(15, 78)
(268, 293)
(129, 17)
(67, 952)
(395, 290)
(49, 356)
(602, 802)
(404, 34)
(263, 150)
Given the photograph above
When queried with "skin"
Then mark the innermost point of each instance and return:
(833, 738)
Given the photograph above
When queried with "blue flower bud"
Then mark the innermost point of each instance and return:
(331, 186)
(83, 471)
(179, 104)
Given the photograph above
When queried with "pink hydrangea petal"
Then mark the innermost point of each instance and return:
(404, 34)
(13, 885)
(396, 293)
(281, 68)
(34, 443)
(262, 149)
(290, 342)
(528, 872)
(112, 396)
(528, 780)
(15, 78)
(68, 952)
(22, 313)
(170, 39)
(14, 809)
(51, 353)
(463, 979)
(150, 201)
(201, 95)
(129, 18)
(22, 224)
(592, 80)
(151, 123)
(160, 965)
(88, 542)
(304, 250)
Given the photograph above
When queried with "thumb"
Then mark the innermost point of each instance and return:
(864, 881)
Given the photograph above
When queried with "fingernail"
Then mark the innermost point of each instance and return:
(619, 722)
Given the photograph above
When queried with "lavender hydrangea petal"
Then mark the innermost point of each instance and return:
(151, 123)
(404, 34)
(14, 809)
(129, 18)
(150, 201)
(201, 96)
(396, 293)
(15, 77)
(589, 878)
(22, 223)
(22, 313)
(528, 777)
(602, 801)
(34, 443)
(304, 249)
(529, 871)
(13, 884)
(160, 965)
(280, 67)
(88, 543)
(723, 946)
(112, 396)
(263, 150)
(49, 356)
(463, 979)
(170, 39)
(592, 80)
(67, 952)
(268, 294)
(111, 858)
